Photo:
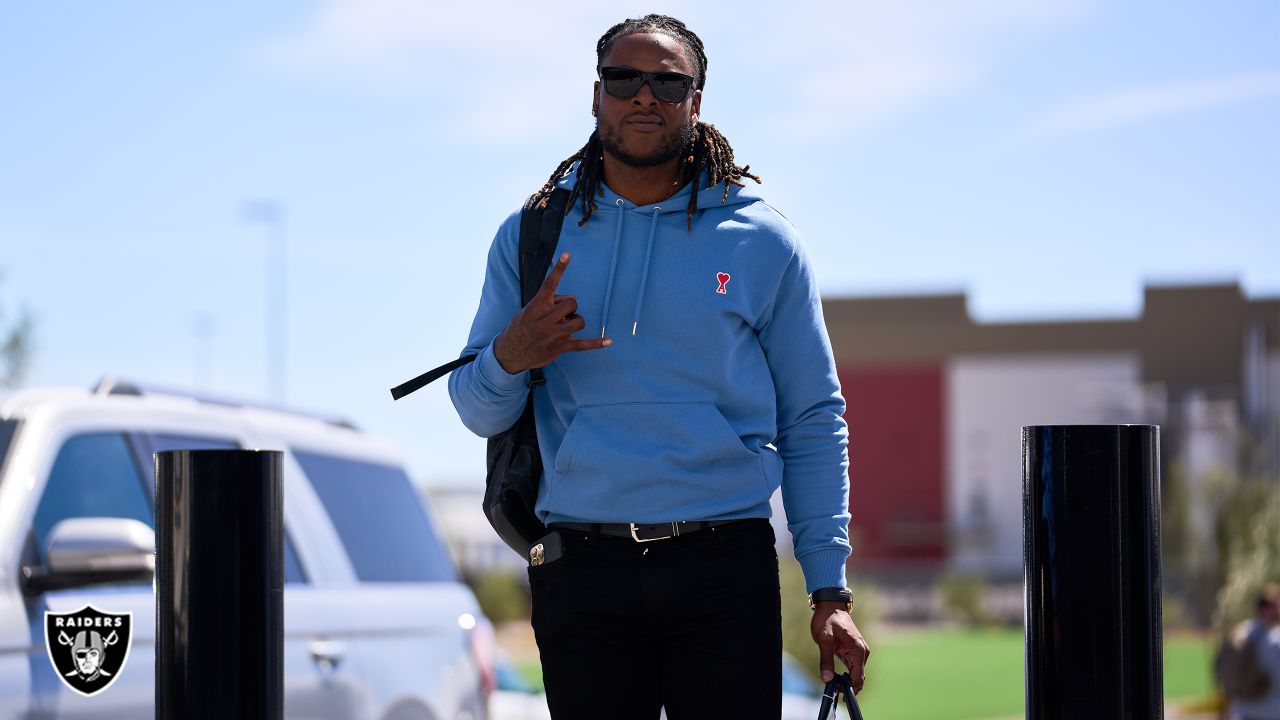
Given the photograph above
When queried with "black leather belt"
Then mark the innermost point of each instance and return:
(643, 532)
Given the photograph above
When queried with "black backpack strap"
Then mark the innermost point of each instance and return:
(539, 233)
(429, 377)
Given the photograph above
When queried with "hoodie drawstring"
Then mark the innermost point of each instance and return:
(613, 266)
(644, 272)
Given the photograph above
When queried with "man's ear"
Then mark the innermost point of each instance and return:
(697, 104)
(595, 99)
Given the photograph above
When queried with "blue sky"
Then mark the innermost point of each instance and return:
(1047, 157)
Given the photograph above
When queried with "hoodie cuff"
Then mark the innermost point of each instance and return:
(824, 568)
(494, 376)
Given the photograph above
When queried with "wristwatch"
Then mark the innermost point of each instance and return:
(839, 594)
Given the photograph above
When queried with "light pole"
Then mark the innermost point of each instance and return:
(202, 331)
(272, 217)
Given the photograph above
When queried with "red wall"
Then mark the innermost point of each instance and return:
(896, 437)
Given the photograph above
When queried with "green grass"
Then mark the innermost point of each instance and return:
(942, 674)
(1187, 671)
(963, 674)
(531, 669)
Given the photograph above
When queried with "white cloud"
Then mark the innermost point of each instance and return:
(872, 61)
(501, 68)
(1131, 107)
(493, 70)
(375, 36)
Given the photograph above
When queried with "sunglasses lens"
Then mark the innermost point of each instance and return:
(622, 82)
(670, 87)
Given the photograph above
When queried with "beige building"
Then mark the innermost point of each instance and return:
(937, 401)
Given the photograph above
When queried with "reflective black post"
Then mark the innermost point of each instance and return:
(1091, 555)
(219, 585)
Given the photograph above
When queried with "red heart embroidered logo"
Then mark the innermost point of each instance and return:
(723, 277)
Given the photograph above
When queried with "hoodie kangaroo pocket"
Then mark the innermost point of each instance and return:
(653, 462)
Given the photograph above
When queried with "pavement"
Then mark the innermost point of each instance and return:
(1171, 712)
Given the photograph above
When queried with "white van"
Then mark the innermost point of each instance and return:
(377, 625)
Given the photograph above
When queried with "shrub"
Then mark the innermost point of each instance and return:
(502, 595)
(963, 598)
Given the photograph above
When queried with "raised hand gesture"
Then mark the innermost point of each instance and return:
(543, 329)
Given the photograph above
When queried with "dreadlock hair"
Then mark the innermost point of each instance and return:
(709, 151)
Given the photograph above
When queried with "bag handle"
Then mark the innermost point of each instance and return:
(539, 234)
(840, 686)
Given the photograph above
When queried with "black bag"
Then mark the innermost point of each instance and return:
(840, 686)
(514, 461)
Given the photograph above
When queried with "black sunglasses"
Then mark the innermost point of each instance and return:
(625, 82)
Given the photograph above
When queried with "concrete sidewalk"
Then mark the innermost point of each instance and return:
(1171, 712)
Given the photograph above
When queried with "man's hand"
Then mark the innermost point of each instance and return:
(836, 635)
(543, 330)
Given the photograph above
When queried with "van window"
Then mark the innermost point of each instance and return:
(149, 443)
(94, 475)
(164, 442)
(7, 428)
(380, 518)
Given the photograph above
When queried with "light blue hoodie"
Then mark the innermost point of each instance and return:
(719, 356)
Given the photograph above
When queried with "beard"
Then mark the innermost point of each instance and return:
(671, 147)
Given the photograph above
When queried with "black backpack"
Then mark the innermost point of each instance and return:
(514, 461)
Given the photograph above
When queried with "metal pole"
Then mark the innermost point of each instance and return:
(1091, 554)
(219, 585)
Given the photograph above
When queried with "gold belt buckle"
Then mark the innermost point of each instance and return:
(675, 532)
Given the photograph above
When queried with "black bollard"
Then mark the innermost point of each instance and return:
(1091, 555)
(219, 585)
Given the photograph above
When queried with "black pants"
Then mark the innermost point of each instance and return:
(691, 623)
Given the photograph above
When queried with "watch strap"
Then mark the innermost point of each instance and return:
(831, 594)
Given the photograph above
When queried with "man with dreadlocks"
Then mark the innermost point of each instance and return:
(706, 381)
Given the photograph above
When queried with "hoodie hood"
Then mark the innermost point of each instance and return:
(611, 203)
(708, 197)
